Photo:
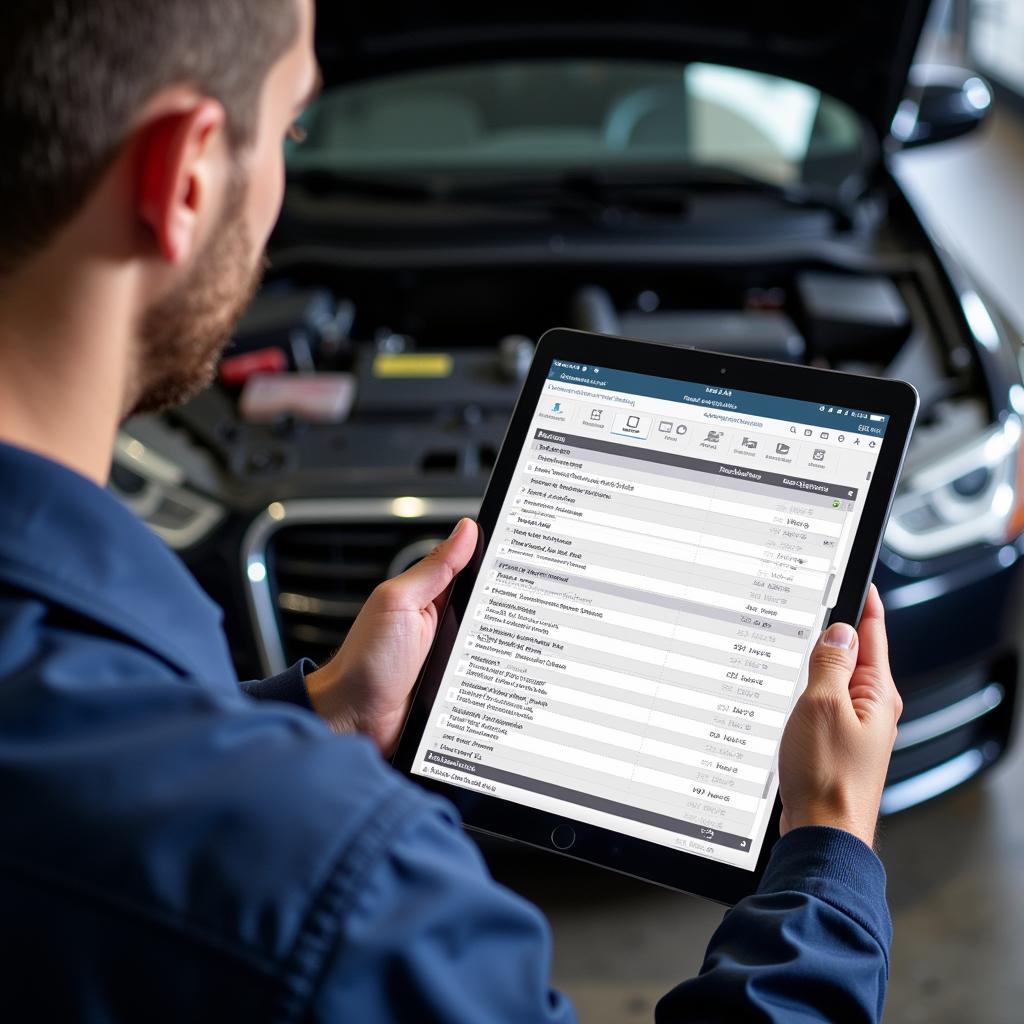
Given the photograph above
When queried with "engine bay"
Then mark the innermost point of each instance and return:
(423, 367)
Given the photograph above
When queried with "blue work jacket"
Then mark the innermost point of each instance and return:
(177, 847)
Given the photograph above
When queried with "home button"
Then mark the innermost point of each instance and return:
(562, 837)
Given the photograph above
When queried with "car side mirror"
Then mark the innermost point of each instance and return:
(942, 103)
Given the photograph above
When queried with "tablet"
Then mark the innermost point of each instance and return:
(665, 534)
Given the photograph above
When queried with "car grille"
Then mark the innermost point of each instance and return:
(309, 573)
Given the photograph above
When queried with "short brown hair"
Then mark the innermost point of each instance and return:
(73, 74)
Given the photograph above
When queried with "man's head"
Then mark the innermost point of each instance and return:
(147, 135)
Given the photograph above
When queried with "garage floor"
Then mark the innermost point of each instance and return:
(956, 866)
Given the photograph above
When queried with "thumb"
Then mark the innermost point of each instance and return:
(833, 660)
(429, 578)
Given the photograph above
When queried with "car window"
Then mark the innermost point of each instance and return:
(570, 114)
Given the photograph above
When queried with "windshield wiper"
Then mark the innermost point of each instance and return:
(592, 195)
(667, 193)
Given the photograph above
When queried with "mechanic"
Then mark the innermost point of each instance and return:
(179, 847)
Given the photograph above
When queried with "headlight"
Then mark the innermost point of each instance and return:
(966, 497)
(154, 489)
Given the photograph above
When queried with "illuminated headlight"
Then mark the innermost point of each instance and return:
(154, 489)
(969, 496)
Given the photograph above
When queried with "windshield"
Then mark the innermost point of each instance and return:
(567, 115)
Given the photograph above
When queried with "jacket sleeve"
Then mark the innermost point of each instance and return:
(811, 945)
(433, 938)
(288, 686)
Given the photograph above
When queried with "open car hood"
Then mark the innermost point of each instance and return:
(857, 52)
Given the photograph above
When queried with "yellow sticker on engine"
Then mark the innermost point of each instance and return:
(412, 364)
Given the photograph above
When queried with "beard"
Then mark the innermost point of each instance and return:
(183, 334)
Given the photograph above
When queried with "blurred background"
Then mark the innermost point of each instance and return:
(843, 188)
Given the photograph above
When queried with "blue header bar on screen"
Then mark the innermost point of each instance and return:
(722, 399)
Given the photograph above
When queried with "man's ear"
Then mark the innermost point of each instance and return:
(176, 175)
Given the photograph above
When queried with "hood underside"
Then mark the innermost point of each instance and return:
(859, 53)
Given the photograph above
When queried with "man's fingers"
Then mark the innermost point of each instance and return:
(464, 536)
(874, 645)
(429, 578)
(875, 690)
(833, 660)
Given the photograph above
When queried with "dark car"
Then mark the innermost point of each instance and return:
(682, 173)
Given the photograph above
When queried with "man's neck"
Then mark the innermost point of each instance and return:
(64, 344)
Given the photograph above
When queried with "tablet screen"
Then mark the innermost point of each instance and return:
(663, 563)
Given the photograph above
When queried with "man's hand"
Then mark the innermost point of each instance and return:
(836, 747)
(365, 687)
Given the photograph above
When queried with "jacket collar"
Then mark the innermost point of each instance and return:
(74, 544)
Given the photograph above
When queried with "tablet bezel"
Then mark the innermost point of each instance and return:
(640, 858)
